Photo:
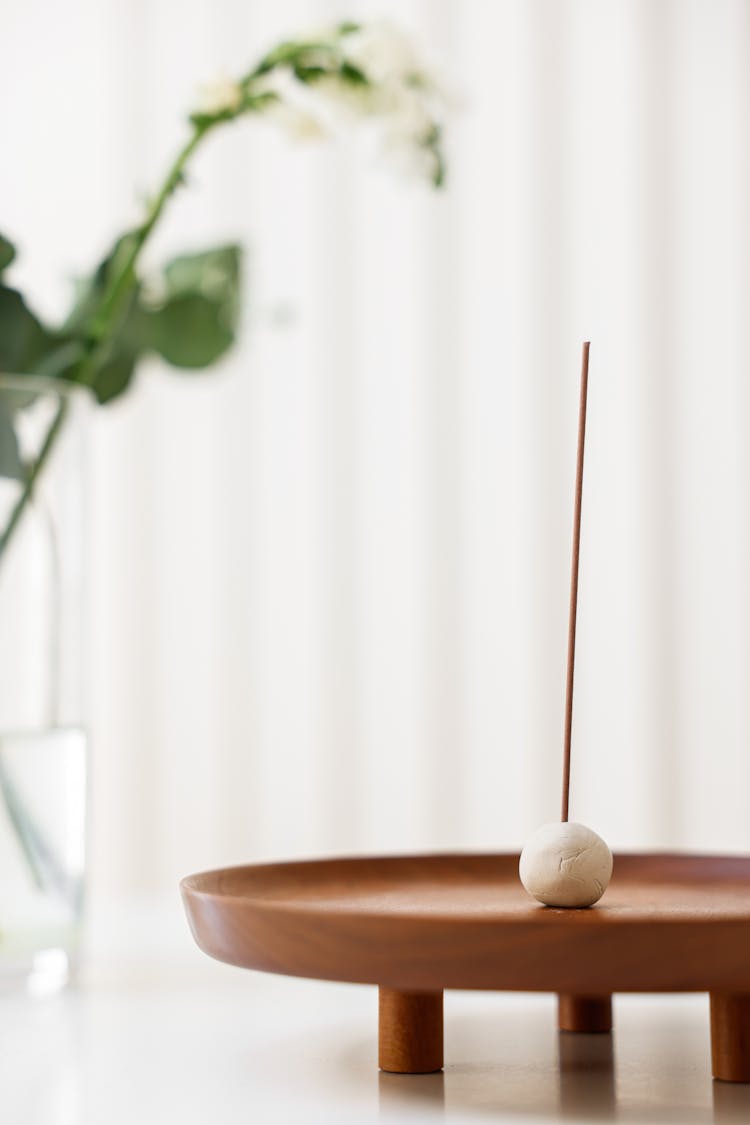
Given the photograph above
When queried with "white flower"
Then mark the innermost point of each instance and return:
(220, 96)
(296, 122)
(406, 109)
(373, 73)
(383, 52)
(292, 107)
(347, 99)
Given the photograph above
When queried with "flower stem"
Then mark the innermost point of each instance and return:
(105, 324)
(117, 289)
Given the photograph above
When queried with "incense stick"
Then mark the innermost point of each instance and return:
(545, 866)
(574, 582)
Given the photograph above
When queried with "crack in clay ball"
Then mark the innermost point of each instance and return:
(566, 864)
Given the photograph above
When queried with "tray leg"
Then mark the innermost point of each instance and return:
(410, 1031)
(584, 1013)
(730, 1036)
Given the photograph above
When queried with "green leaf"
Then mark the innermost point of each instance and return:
(22, 338)
(89, 291)
(310, 74)
(191, 331)
(353, 75)
(114, 376)
(191, 326)
(61, 359)
(290, 53)
(7, 253)
(11, 464)
(197, 321)
(285, 52)
(212, 273)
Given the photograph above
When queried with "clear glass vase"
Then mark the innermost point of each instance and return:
(43, 744)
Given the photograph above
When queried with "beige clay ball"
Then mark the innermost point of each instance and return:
(566, 864)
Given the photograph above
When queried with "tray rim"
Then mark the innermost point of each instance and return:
(539, 949)
(190, 886)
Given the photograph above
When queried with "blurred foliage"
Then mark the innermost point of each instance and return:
(188, 315)
(188, 312)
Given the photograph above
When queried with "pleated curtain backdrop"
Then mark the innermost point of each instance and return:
(329, 580)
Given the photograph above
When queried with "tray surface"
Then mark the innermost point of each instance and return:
(666, 923)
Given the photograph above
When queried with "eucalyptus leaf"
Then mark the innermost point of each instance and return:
(61, 359)
(197, 321)
(111, 374)
(192, 325)
(22, 338)
(11, 464)
(89, 290)
(114, 373)
(212, 273)
(114, 376)
(7, 253)
(191, 331)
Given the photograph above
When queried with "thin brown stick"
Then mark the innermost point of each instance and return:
(574, 582)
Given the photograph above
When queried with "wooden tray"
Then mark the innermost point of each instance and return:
(416, 925)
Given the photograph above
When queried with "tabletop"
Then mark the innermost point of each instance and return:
(156, 1033)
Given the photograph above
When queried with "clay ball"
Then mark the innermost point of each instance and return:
(566, 864)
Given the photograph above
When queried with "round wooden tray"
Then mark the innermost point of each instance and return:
(416, 925)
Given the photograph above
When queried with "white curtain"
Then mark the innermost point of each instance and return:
(329, 581)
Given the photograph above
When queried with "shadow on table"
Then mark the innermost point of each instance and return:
(652, 1069)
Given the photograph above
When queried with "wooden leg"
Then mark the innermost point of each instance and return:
(730, 1036)
(584, 1013)
(411, 1031)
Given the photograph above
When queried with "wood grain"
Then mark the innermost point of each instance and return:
(730, 1036)
(667, 923)
(410, 1039)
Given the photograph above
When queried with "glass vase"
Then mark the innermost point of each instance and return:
(43, 743)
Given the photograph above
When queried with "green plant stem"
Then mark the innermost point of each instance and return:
(32, 476)
(117, 290)
(106, 323)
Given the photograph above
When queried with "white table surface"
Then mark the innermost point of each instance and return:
(156, 1033)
